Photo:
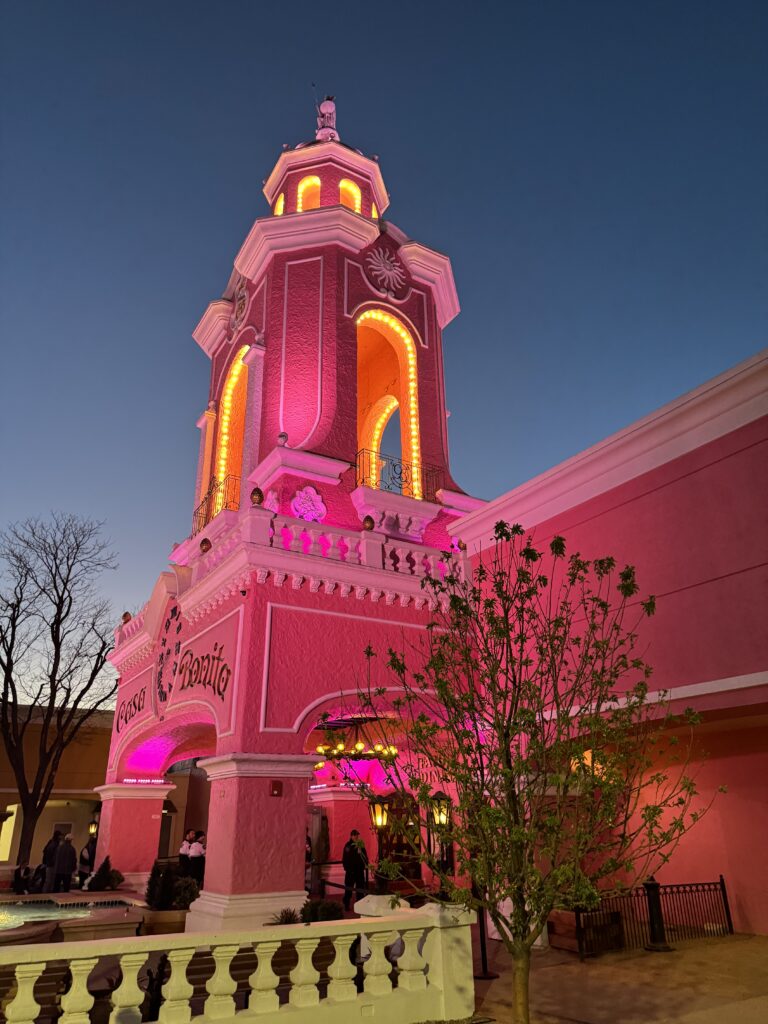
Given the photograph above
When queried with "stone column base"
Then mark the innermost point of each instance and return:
(216, 912)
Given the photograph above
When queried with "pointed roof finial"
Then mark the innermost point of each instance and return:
(326, 121)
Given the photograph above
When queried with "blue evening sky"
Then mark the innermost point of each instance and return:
(596, 171)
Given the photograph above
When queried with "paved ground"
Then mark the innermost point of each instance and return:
(712, 981)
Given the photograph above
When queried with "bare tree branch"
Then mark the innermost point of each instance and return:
(55, 636)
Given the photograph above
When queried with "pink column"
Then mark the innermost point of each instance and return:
(129, 827)
(255, 853)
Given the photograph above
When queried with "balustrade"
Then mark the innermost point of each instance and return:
(299, 970)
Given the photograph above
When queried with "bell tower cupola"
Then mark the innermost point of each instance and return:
(327, 393)
(325, 172)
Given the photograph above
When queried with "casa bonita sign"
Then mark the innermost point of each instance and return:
(210, 671)
(129, 708)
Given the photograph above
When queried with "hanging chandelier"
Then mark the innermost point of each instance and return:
(358, 749)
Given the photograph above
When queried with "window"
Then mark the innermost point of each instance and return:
(229, 443)
(374, 212)
(387, 382)
(349, 195)
(308, 194)
(280, 205)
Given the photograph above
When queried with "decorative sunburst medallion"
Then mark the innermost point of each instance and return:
(385, 269)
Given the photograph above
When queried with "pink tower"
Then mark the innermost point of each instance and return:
(308, 542)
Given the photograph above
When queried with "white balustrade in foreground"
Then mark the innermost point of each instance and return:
(406, 967)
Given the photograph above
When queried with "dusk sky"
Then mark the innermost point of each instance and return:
(597, 172)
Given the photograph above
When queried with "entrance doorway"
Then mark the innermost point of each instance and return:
(394, 844)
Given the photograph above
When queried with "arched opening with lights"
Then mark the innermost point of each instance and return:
(387, 395)
(350, 195)
(308, 194)
(280, 205)
(229, 439)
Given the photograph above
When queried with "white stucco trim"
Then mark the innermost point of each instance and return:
(432, 268)
(722, 405)
(328, 225)
(216, 912)
(258, 766)
(307, 465)
(212, 329)
(343, 157)
(725, 685)
(134, 791)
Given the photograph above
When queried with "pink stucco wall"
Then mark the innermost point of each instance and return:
(695, 528)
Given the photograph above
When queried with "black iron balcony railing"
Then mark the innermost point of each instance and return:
(386, 473)
(220, 495)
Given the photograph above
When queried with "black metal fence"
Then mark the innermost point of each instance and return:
(652, 915)
(221, 494)
(386, 473)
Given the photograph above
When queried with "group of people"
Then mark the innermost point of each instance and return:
(58, 866)
(192, 855)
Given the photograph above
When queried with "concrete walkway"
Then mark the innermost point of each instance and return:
(712, 981)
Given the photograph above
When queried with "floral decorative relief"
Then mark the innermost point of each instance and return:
(272, 502)
(385, 269)
(307, 504)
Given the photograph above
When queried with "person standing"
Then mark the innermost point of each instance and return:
(49, 860)
(197, 858)
(85, 864)
(354, 859)
(189, 838)
(65, 864)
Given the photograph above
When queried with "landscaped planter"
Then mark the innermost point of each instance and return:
(163, 922)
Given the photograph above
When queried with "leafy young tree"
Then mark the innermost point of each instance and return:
(55, 635)
(529, 704)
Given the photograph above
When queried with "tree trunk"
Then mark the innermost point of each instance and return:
(29, 820)
(521, 959)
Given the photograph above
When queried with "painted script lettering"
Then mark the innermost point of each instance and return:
(207, 670)
(130, 708)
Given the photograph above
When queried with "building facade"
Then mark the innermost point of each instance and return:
(683, 496)
(307, 543)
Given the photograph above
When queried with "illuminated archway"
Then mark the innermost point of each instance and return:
(229, 440)
(349, 195)
(388, 380)
(374, 211)
(280, 205)
(308, 194)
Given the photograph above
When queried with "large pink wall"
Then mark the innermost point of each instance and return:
(695, 528)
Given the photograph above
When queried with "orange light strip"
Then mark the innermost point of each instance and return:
(390, 404)
(225, 418)
(378, 316)
(304, 184)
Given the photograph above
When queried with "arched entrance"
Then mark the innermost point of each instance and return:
(387, 382)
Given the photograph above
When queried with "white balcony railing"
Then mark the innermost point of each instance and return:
(406, 967)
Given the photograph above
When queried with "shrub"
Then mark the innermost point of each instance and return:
(321, 910)
(286, 916)
(153, 885)
(185, 891)
(105, 877)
